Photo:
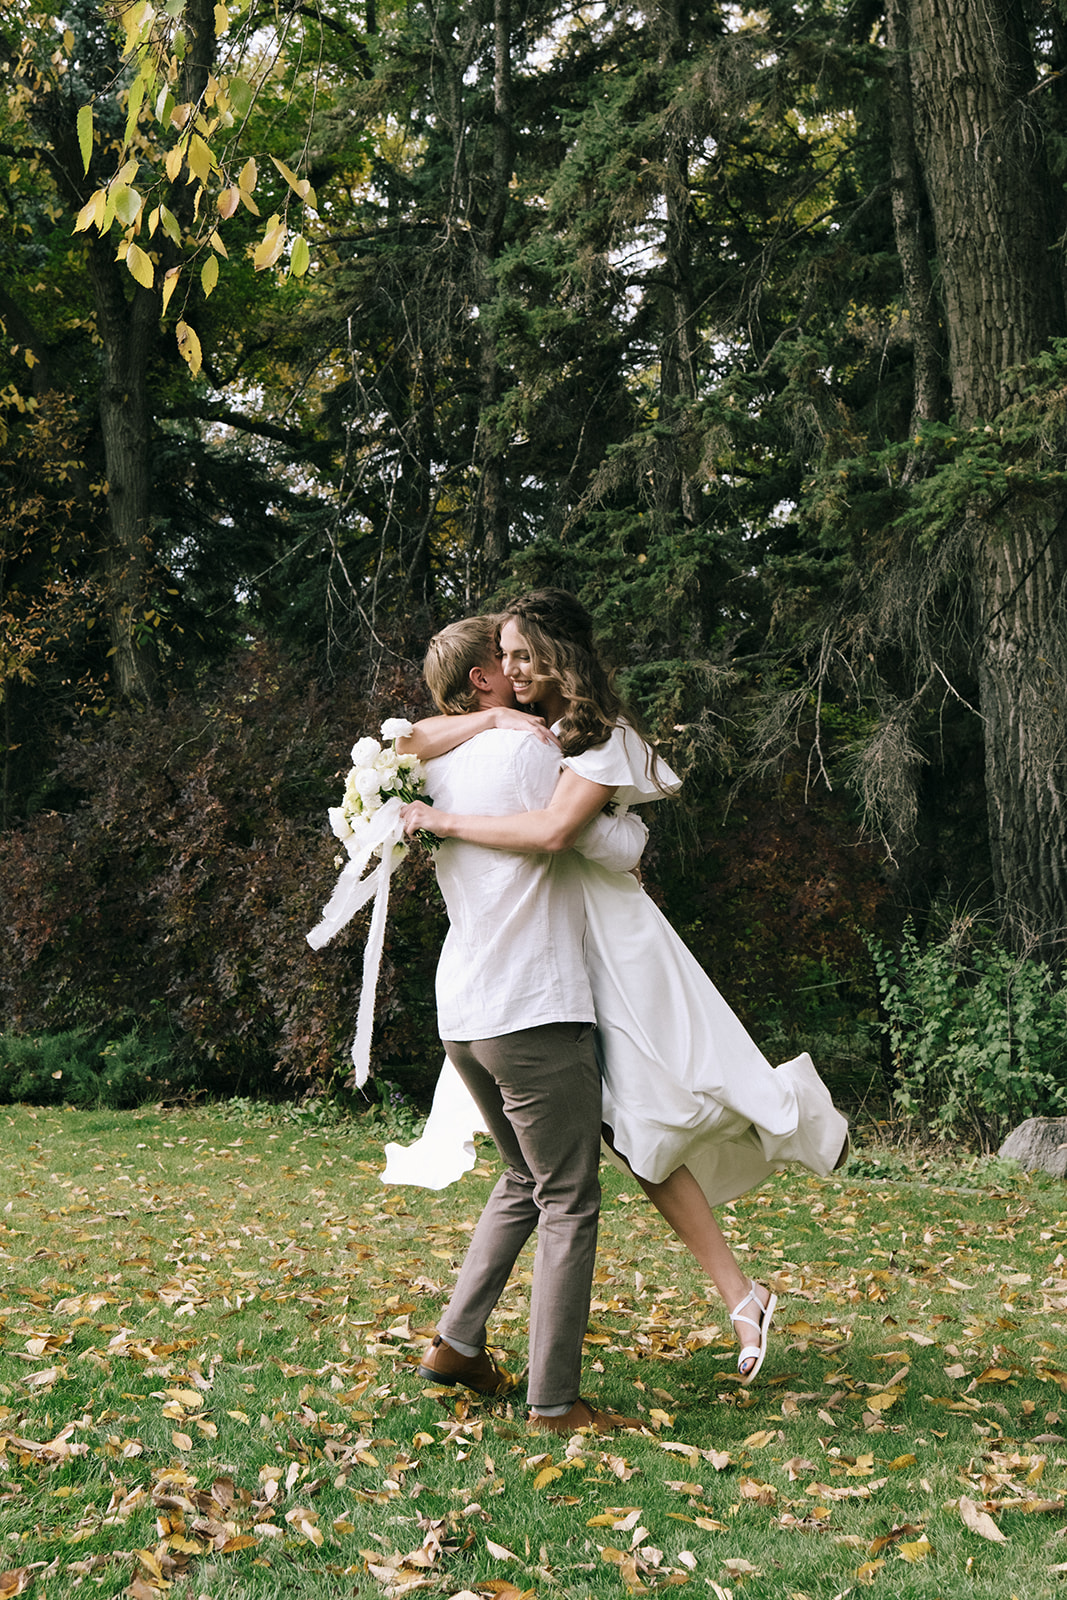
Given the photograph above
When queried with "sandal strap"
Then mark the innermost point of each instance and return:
(738, 1313)
(754, 1353)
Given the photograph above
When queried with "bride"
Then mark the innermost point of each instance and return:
(690, 1104)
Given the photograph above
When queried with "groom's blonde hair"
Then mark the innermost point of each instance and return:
(451, 655)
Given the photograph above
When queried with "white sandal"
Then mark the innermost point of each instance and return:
(762, 1327)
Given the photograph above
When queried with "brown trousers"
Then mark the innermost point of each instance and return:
(539, 1092)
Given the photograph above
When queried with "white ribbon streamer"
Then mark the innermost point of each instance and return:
(386, 828)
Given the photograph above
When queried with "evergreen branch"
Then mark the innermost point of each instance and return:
(293, 437)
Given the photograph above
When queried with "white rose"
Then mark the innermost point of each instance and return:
(367, 782)
(397, 728)
(364, 752)
(339, 822)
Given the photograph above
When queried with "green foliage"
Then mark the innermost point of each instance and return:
(181, 857)
(398, 1116)
(977, 1033)
(78, 1068)
(773, 894)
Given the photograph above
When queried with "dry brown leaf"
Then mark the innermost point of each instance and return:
(738, 1567)
(630, 1577)
(980, 1522)
(139, 1588)
(904, 1530)
(44, 1380)
(764, 1494)
(15, 1581)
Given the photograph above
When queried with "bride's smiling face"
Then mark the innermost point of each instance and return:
(520, 668)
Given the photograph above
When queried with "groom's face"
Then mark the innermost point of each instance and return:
(496, 689)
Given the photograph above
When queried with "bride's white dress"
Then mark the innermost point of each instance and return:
(684, 1083)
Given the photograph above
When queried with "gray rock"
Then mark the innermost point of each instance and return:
(1039, 1145)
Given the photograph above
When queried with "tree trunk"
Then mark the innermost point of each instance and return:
(678, 491)
(492, 531)
(983, 157)
(909, 228)
(129, 330)
(1020, 570)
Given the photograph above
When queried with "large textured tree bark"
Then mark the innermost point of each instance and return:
(909, 230)
(983, 160)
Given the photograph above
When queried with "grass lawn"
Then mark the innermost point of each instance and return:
(208, 1331)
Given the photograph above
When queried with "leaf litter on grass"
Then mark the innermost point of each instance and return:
(207, 1344)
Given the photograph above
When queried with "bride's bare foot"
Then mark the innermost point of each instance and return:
(755, 1311)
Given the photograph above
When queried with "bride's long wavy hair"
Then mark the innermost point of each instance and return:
(559, 632)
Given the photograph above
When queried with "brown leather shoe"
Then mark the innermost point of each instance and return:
(442, 1364)
(583, 1415)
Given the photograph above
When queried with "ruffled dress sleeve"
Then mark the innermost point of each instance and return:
(627, 764)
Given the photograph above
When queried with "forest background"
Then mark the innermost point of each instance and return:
(325, 324)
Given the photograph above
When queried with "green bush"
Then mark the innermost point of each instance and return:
(182, 858)
(978, 1035)
(79, 1068)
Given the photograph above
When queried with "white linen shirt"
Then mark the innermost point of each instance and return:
(514, 956)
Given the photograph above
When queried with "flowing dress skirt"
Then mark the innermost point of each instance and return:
(684, 1083)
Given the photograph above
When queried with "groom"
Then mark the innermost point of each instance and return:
(516, 1016)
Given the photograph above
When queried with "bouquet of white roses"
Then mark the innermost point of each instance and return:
(378, 774)
(368, 824)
